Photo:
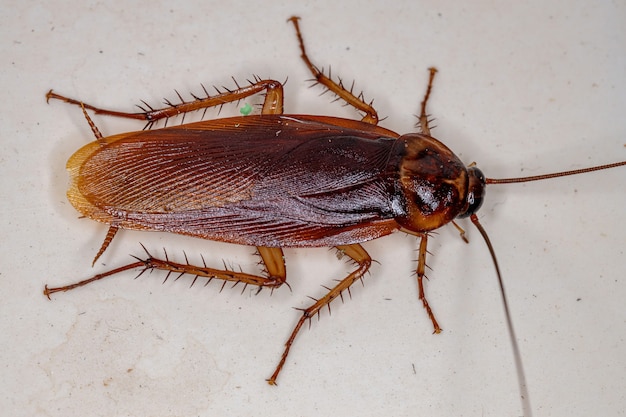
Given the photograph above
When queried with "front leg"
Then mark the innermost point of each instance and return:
(421, 270)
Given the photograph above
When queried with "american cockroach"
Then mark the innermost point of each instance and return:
(276, 181)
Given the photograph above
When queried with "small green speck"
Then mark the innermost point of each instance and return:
(246, 109)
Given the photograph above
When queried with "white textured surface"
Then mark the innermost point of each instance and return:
(522, 90)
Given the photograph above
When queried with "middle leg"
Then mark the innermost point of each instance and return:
(358, 254)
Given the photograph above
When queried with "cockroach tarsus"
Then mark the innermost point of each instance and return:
(273, 181)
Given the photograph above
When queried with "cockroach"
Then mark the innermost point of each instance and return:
(277, 181)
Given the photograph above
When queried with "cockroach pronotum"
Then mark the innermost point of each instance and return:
(277, 181)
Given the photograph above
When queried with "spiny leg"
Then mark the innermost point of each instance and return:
(364, 261)
(461, 231)
(421, 269)
(272, 259)
(273, 103)
(357, 102)
(423, 119)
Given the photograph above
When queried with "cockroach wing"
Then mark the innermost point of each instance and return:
(287, 181)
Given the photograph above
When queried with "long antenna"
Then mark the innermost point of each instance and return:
(521, 376)
(554, 175)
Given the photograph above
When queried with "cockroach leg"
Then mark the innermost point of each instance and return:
(272, 258)
(461, 231)
(421, 269)
(273, 103)
(423, 119)
(276, 274)
(364, 261)
(371, 116)
(47, 291)
(274, 261)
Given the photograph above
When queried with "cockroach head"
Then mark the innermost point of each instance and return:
(475, 191)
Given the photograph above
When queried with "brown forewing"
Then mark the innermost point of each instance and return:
(287, 181)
